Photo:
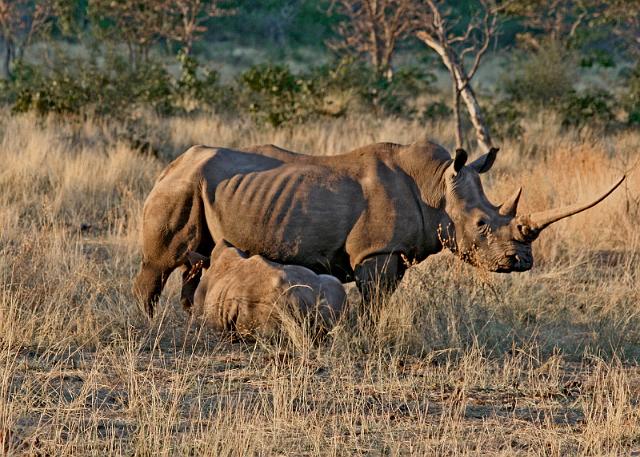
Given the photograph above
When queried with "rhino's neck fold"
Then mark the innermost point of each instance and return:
(426, 164)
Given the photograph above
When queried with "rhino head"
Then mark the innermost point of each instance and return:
(494, 237)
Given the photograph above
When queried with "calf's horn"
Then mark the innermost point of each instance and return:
(540, 220)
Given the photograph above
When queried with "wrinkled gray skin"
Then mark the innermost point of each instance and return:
(363, 215)
(249, 295)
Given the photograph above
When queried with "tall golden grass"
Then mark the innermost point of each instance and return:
(457, 362)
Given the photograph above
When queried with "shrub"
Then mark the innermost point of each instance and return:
(362, 84)
(504, 120)
(59, 93)
(271, 94)
(592, 107)
(541, 78)
(397, 96)
(77, 87)
(274, 95)
(113, 89)
(199, 86)
(435, 112)
(631, 99)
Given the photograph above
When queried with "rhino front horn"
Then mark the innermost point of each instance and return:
(540, 220)
(510, 206)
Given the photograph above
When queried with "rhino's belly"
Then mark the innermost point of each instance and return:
(292, 214)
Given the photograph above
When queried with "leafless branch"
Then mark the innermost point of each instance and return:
(435, 29)
(372, 28)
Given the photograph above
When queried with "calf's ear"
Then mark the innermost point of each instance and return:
(485, 162)
(195, 259)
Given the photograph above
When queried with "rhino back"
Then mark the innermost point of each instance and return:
(296, 213)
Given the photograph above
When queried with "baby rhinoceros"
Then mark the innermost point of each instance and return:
(250, 295)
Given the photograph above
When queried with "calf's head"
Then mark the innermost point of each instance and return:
(494, 237)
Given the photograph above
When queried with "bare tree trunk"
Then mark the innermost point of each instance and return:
(5, 72)
(132, 60)
(457, 117)
(463, 89)
(482, 132)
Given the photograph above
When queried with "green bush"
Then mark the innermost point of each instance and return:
(199, 86)
(504, 120)
(112, 89)
(435, 112)
(631, 100)
(276, 96)
(271, 94)
(373, 92)
(542, 78)
(593, 107)
(59, 93)
(397, 96)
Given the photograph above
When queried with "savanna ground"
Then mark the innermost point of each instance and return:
(456, 362)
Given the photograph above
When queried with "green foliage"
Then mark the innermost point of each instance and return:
(504, 119)
(270, 94)
(541, 78)
(112, 90)
(60, 93)
(634, 117)
(397, 96)
(200, 86)
(593, 107)
(375, 93)
(631, 99)
(283, 25)
(276, 96)
(76, 87)
(436, 111)
(597, 57)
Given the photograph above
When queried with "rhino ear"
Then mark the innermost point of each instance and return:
(485, 162)
(460, 159)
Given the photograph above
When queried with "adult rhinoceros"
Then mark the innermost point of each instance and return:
(362, 215)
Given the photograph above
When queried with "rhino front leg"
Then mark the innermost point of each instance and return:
(379, 275)
(148, 285)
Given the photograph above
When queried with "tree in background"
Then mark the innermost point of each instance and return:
(140, 25)
(20, 22)
(434, 28)
(557, 21)
(373, 28)
(186, 21)
(137, 24)
(624, 16)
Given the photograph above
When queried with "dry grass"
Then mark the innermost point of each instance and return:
(457, 362)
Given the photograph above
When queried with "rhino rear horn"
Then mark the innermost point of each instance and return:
(510, 206)
(540, 220)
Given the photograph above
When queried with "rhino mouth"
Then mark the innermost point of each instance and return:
(521, 261)
(500, 260)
